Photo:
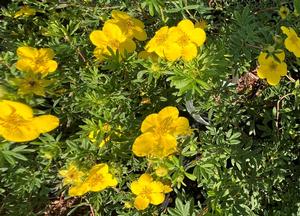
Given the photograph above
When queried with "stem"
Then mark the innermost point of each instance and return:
(278, 108)
(290, 78)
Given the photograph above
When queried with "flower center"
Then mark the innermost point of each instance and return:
(161, 38)
(114, 44)
(32, 83)
(39, 61)
(165, 125)
(146, 191)
(273, 66)
(183, 40)
(96, 179)
(294, 38)
(13, 121)
(130, 23)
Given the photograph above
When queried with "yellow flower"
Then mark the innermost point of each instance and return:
(158, 43)
(18, 124)
(159, 133)
(161, 171)
(25, 11)
(78, 189)
(34, 60)
(201, 24)
(270, 68)
(32, 84)
(99, 178)
(188, 38)
(72, 175)
(93, 135)
(147, 192)
(283, 12)
(111, 37)
(131, 27)
(292, 42)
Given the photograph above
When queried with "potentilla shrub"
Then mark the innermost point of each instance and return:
(149, 108)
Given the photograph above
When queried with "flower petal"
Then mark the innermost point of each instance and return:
(25, 65)
(168, 112)
(46, 53)
(112, 31)
(78, 190)
(45, 123)
(293, 46)
(27, 52)
(167, 189)
(112, 182)
(143, 144)
(51, 66)
(282, 69)
(198, 36)
(149, 123)
(186, 25)
(181, 126)
(23, 133)
(145, 179)
(168, 143)
(261, 71)
(140, 34)
(273, 79)
(127, 45)
(189, 52)
(119, 15)
(136, 188)
(157, 187)
(5, 109)
(98, 38)
(171, 51)
(99, 168)
(141, 202)
(157, 198)
(20, 109)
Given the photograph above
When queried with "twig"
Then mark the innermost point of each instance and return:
(278, 108)
(91, 208)
(253, 46)
(290, 78)
(266, 9)
(81, 55)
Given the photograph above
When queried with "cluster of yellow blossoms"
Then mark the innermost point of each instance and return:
(272, 65)
(158, 140)
(181, 41)
(36, 64)
(96, 179)
(117, 34)
(148, 191)
(37, 61)
(18, 124)
(159, 132)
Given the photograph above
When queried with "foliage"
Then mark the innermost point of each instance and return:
(242, 156)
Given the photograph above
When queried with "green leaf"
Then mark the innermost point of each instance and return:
(297, 6)
(190, 176)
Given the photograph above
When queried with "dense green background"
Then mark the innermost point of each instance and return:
(244, 161)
